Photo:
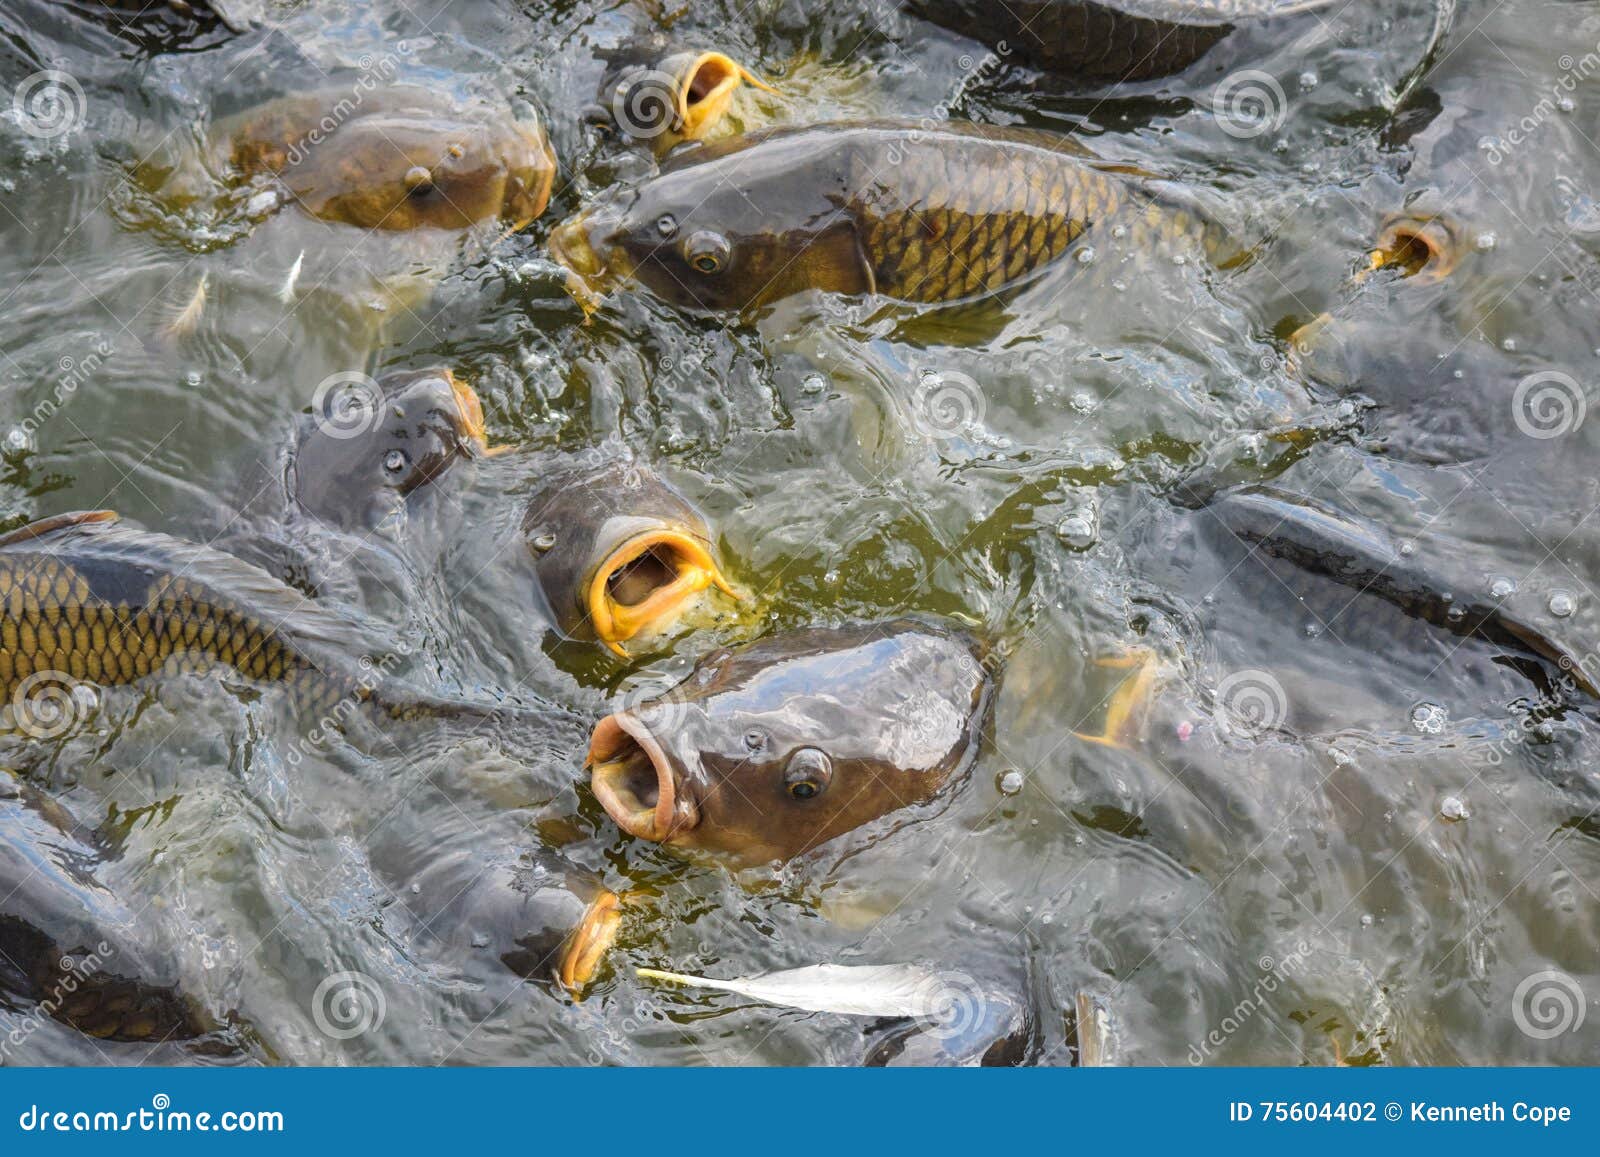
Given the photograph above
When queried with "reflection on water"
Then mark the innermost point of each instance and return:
(1337, 822)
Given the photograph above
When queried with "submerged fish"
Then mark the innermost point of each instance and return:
(70, 946)
(369, 449)
(661, 94)
(536, 915)
(1106, 39)
(772, 749)
(923, 215)
(394, 158)
(84, 600)
(618, 553)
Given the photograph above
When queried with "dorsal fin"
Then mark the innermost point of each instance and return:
(47, 526)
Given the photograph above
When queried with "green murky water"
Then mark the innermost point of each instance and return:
(1269, 873)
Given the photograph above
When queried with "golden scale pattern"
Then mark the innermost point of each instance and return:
(50, 621)
(946, 241)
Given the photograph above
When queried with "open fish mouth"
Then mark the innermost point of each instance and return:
(633, 779)
(589, 942)
(570, 247)
(645, 582)
(1423, 247)
(706, 89)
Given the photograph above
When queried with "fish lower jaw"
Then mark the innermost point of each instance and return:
(632, 779)
(646, 584)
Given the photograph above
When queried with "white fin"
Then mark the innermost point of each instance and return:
(187, 319)
(858, 990)
(286, 294)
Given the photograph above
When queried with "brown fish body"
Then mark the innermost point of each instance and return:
(1105, 39)
(948, 214)
(770, 750)
(404, 157)
(86, 601)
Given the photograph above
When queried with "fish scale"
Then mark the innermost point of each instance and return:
(87, 601)
(930, 238)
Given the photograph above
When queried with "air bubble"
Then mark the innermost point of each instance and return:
(1453, 807)
(1086, 255)
(813, 384)
(1502, 587)
(1429, 718)
(17, 439)
(1010, 782)
(1562, 604)
(1487, 241)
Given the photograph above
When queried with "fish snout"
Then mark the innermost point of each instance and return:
(573, 246)
(646, 582)
(633, 778)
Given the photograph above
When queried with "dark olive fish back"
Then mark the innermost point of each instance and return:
(1105, 39)
(67, 943)
(82, 598)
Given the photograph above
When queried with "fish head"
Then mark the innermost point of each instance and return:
(414, 160)
(721, 229)
(619, 554)
(661, 94)
(371, 445)
(768, 751)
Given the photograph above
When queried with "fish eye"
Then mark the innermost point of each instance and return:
(418, 181)
(666, 225)
(807, 774)
(706, 252)
(395, 461)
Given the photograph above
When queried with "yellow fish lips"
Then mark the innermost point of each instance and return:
(469, 408)
(706, 84)
(571, 247)
(644, 584)
(632, 778)
(589, 942)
